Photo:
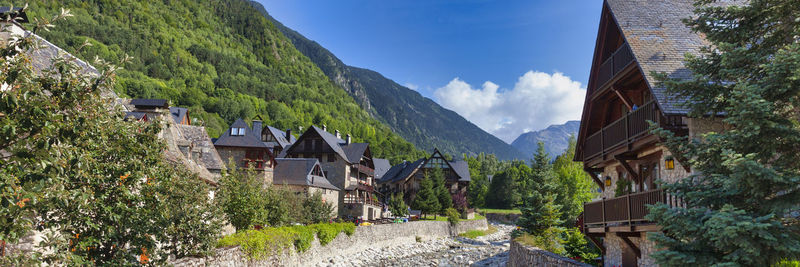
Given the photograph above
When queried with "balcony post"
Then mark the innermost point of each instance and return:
(603, 208)
(628, 200)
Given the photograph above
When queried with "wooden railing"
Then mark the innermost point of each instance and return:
(351, 199)
(613, 66)
(622, 131)
(366, 170)
(625, 210)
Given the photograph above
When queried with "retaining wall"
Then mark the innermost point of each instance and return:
(507, 218)
(365, 237)
(523, 255)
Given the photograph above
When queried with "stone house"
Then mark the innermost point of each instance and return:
(276, 139)
(636, 38)
(406, 176)
(347, 165)
(306, 176)
(242, 145)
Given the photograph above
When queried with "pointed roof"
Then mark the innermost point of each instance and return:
(462, 170)
(659, 39)
(351, 153)
(299, 171)
(381, 167)
(178, 114)
(401, 171)
(249, 139)
(280, 136)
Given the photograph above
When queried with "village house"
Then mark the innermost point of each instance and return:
(635, 40)
(306, 176)
(242, 145)
(406, 176)
(276, 139)
(347, 165)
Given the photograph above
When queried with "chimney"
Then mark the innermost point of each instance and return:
(338, 135)
(325, 127)
(257, 129)
(289, 134)
(347, 141)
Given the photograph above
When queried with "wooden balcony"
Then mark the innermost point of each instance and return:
(625, 213)
(351, 199)
(626, 130)
(366, 170)
(615, 64)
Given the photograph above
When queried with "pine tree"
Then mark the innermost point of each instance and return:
(539, 210)
(742, 196)
(426, 200)
(397, 206)
(442, 192)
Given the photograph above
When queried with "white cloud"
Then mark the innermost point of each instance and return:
(537, 100)
(411, 86)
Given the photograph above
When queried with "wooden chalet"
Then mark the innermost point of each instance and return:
(306, 176)
(242, 145)
(347, 165)
(406, 177)
(635, 40)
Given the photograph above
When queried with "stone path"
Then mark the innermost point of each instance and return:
(489, 250)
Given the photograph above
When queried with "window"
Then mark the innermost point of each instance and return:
(331, 158)
(241, 131)
(234, 131)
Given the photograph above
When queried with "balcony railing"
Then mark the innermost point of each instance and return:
(626, 210)
(350, 199)
(620, 59)
(366, 170)
(622, 131)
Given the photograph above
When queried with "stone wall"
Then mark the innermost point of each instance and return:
(507, 218)
(614, 247)
(523, 255)
(365, 237)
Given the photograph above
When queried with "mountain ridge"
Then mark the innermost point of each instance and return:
(414, 117)
(555, 138)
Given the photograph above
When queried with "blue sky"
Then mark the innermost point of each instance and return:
(454, 51)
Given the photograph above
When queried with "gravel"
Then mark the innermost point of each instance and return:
(488, 250)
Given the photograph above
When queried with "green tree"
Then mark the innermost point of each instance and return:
(539, 210)
(442, 192)
(316, 211)
(98, 185)
(477, 190)
(504, 191)
(397, 205)
(740, 200)
(574, 186)
(426, 200)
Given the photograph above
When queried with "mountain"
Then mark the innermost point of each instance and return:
(418, 119)
(220, 58)
(555, 138)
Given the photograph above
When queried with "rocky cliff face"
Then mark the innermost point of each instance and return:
(417, 119)
(555, 138)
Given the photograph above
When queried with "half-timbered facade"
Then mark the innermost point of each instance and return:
(406, 177)
(347, 165)
(636, 40)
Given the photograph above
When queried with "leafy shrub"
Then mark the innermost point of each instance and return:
(549, 240)
(260, 244)
(453, 216)
(472, 234)
(576, 246)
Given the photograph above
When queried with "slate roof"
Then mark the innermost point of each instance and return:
(177, 114)
(659, 40)
(297, 171)
(159, 103)
(249, 139)
(462, 169)
(381, 167)
(401, 171)
(280, 136)
(198, 136)
(135, 115)
(354, 151)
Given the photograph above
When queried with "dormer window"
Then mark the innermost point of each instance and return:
(237, 131)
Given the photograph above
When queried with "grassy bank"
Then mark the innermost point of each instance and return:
(500, 211)
(441, 218)
(472, 234)
(260, 244)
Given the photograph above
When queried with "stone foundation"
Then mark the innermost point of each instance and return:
(614, 247)
(365, 237)
(523, 255)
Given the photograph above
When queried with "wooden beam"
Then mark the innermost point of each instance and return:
(597, 243)
(631, 245)
(624, 98)
(623, 160)
(593, 173)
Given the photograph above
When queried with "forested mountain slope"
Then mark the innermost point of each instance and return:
(220, 58)
(416, 118)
